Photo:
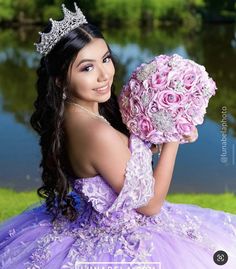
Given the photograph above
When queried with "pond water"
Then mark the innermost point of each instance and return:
(208, 165)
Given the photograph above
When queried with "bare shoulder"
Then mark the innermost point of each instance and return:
(103, 137)
(100, 131)
(109, 154)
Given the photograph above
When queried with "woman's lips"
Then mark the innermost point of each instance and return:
(103, 89)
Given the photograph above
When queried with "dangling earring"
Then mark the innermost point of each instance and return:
(64, 96)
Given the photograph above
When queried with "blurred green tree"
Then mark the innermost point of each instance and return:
(6, 10)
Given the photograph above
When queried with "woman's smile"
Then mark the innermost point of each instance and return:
(104, 89)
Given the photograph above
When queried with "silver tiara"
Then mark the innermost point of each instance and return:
(70, 21)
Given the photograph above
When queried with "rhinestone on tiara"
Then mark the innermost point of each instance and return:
(70, 21)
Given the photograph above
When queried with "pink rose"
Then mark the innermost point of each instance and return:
(177, 113)
(168, 99)
(152, 136)
(134, 86)
(125, 116)
(195, 114)
(197, 100)
(135, 105)
(207, 90)
(132, 125)
(145, 125)
(212, 86)
(163, 68)
(191, 112)
(174, 80)
(190, 78)
(158, 81)
(184, 127)
(153, 106)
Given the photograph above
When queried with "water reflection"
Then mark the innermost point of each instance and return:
(198, 166)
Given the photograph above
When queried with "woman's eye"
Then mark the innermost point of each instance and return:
(107, 59)
(87, 68)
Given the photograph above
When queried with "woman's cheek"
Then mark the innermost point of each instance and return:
(111, 70)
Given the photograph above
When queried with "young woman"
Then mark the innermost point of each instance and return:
(116, 210)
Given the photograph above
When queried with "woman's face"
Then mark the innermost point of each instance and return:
(91, 74)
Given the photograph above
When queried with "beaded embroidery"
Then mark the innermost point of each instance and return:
(146, 71)
(162, 120)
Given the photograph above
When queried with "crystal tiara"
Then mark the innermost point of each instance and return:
(70, 21)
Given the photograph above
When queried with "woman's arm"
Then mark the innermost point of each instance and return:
(163, 174)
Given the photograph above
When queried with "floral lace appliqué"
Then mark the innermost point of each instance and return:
(138, 186)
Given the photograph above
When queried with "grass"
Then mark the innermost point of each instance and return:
(224, 201)
(13, 203)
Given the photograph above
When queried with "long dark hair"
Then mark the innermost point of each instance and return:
(48, 119)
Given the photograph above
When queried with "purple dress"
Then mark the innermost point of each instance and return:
(109, 231)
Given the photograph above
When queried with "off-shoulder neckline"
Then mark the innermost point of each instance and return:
(98, 175)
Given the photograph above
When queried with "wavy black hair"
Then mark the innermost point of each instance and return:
(48, 119)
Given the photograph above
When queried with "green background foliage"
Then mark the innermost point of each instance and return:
(121, 12)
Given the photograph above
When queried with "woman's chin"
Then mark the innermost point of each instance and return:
(105, 96)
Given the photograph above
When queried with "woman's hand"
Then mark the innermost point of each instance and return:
(192, 137)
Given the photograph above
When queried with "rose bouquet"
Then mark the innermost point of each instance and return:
(165, 98)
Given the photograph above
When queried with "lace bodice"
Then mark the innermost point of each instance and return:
(138, 186)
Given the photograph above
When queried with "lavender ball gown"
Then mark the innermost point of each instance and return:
(109, 230)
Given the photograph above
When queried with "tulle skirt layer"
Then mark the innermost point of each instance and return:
(182, 236)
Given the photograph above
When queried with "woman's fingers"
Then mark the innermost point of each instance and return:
(192, 137)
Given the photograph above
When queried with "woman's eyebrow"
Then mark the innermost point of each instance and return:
(91, 60)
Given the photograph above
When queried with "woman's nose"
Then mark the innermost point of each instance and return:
(103, 74)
